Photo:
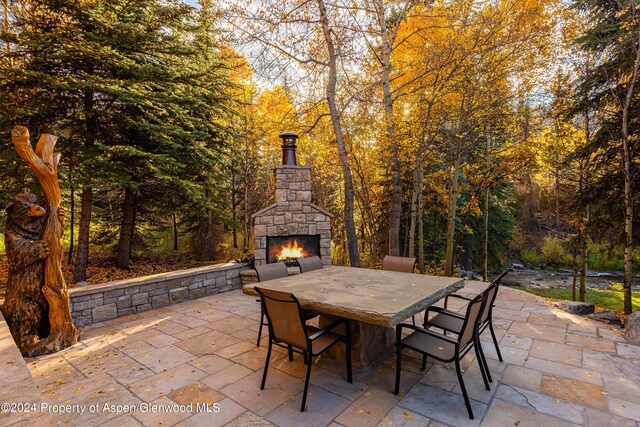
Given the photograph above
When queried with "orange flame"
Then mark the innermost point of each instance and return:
(290, 252)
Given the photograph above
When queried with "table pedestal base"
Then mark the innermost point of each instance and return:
(370, 344)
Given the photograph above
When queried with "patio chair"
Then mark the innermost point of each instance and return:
(443, 347)
(287, 328)
(449, 321)
(268, 272)
(400, 264)
(309, 263)
(272, 271)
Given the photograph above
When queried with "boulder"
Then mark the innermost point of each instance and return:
(632, 329)
(510, 282)
(575, 307)
(517, 266)
(607, 317)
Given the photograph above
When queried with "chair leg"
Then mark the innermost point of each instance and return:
(347, 327)
(306, 382)
(261, 323)
(290, 351)
(424, 362)
(495, 341)
(484, 360)
(413, 319)
(464, 390)
(483, 369)
(396, 390)
(266, 366)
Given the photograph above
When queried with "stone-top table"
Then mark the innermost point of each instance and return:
(375, 301)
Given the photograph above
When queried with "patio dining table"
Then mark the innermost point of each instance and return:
(374, 300)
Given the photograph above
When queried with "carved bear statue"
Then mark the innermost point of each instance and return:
(26, 309)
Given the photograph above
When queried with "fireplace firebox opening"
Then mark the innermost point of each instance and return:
(290, 248)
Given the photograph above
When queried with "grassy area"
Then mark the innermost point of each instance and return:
(610, 300)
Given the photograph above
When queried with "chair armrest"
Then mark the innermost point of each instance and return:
(424, 331)
(446, 299)
(328, 328)
(445, 312)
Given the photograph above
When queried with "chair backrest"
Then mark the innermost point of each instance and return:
(309, 264)
(271, 271)
(398, 263)
(491, 293)
(471, 318)
(285, 317)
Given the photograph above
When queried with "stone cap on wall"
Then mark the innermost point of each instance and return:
(154, 278)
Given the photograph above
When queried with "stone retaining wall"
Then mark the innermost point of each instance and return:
(97, 303)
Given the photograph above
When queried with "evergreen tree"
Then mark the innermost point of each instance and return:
(128, 88)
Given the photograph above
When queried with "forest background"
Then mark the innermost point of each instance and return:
(465, 133)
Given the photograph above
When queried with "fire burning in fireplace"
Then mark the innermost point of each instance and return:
(289, 253)
(290, 248)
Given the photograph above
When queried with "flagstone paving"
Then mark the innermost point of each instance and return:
(559, 369)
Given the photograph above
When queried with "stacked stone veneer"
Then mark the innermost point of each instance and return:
(107, 301)
(292, 213)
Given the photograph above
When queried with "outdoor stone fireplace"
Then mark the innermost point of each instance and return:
(292, 227)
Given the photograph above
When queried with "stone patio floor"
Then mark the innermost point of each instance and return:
(559, 370)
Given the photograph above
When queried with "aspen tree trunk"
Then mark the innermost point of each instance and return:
(44, 164)
(414, 208)
(395, 207)
(451, 217)
(575, 272)
(628, 194)
(349, 223)
(585, 222)
(421, 223)
(485, 267)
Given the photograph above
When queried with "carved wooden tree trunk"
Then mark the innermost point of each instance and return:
(44, 164)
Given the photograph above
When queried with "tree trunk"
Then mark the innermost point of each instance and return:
(175, 232)
(421, 224)
(44, 164)
(417, 187)
(574, 266)
(72, 227)
(233, 210)
(451, 217)
(583, 268)
(82, 255)
(126, 229)
(628, 195)
(349, 223)
(485, 267)
(557, 194)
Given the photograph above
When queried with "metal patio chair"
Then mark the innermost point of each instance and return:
(450, 321)
(443, 347)
(272, 271)
(309, 264)
(287, 328)
(400, 264)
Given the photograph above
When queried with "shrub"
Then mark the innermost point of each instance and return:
(529, 256)
(552, 251)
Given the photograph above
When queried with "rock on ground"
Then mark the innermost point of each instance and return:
(576, 307)
(607, 317)
(632, 329)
